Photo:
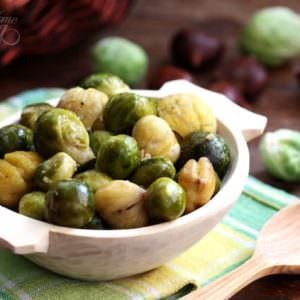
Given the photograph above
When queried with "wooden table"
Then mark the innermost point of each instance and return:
(152, 23)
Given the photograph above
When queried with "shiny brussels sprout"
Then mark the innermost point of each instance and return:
(12, 185)
(95, 224)
(25, 162)
(121, 204)
(152, 169)
(198, 179)
(212, 146)
(280, 153)
(87, 104)
(93, 179)
(155, 137)
(97, 138)
(60, 130)
(58, 167)
(32, 112)
(33, 205)
(272, 35)
(107, 83)
(165, 200)
(124, 110)
(118, 156)
(70, 203)
(186, 113)
(15, 137)
(120, 57)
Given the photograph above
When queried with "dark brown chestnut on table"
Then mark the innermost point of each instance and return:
(168, 73)
(194, 49)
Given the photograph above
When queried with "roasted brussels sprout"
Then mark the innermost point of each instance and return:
(93, 179)
(186, 113)
(15, 137)
(118, 156)
(12, 185)
(152, 169)
(121, 204)
(33, 205)
(124, 110)
(212, 146)
(25, 162)
(165, 200)
(155, 137)
(60, 130)
(96, 223)
(31, 113)
(87, 104)
(97, 138)
(198, 179)
(106, 83)
(70, 203)
(58, 167)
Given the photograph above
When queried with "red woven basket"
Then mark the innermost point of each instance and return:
(49, 26)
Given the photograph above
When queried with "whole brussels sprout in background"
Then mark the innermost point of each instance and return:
(122, 58)
(58, 167)
(124, 110)
(33, 205)
(31, 113)
(272, 35)
(70, 203)
(60, 130)
(152, 169)
(107, 83)
(118, 156)
(97, 138)
(15, 137)
(280, 153)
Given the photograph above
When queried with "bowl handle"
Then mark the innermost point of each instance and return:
(251, 124)
(22, 235)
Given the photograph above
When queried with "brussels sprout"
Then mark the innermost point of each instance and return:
(152, 169)
(15, 137)
(124, 110)
(155, 137)
(121, 204)
(60, 130)
(272, 35)
(120, 57)
(33, 205)
(280, 153)
(97, 138)
(106, 83)
(93, 179)
(87, 104)
(118, 156)
(186, 113)
(165, 200)
(25, 162)
(198, 179)
(32, 112)
(96, 223)
(218, 183)
(212, 146)
(58, 167)
(12, 185)
(70, 203)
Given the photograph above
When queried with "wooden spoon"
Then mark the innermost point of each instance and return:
(277, 252)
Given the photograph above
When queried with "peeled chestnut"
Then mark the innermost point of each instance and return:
(168, 73)
(194, 49)
(248, 74)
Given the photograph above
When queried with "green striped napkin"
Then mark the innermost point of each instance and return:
(227, 246)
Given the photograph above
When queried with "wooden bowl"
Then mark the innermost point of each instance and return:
(111, 254)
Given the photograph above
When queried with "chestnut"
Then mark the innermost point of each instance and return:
(229, 90)
(248, 74)
(168, 73)
(194, 48)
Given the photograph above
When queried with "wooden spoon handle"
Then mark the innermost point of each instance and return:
(230, 284)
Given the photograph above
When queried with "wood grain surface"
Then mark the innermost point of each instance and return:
(152, 23)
